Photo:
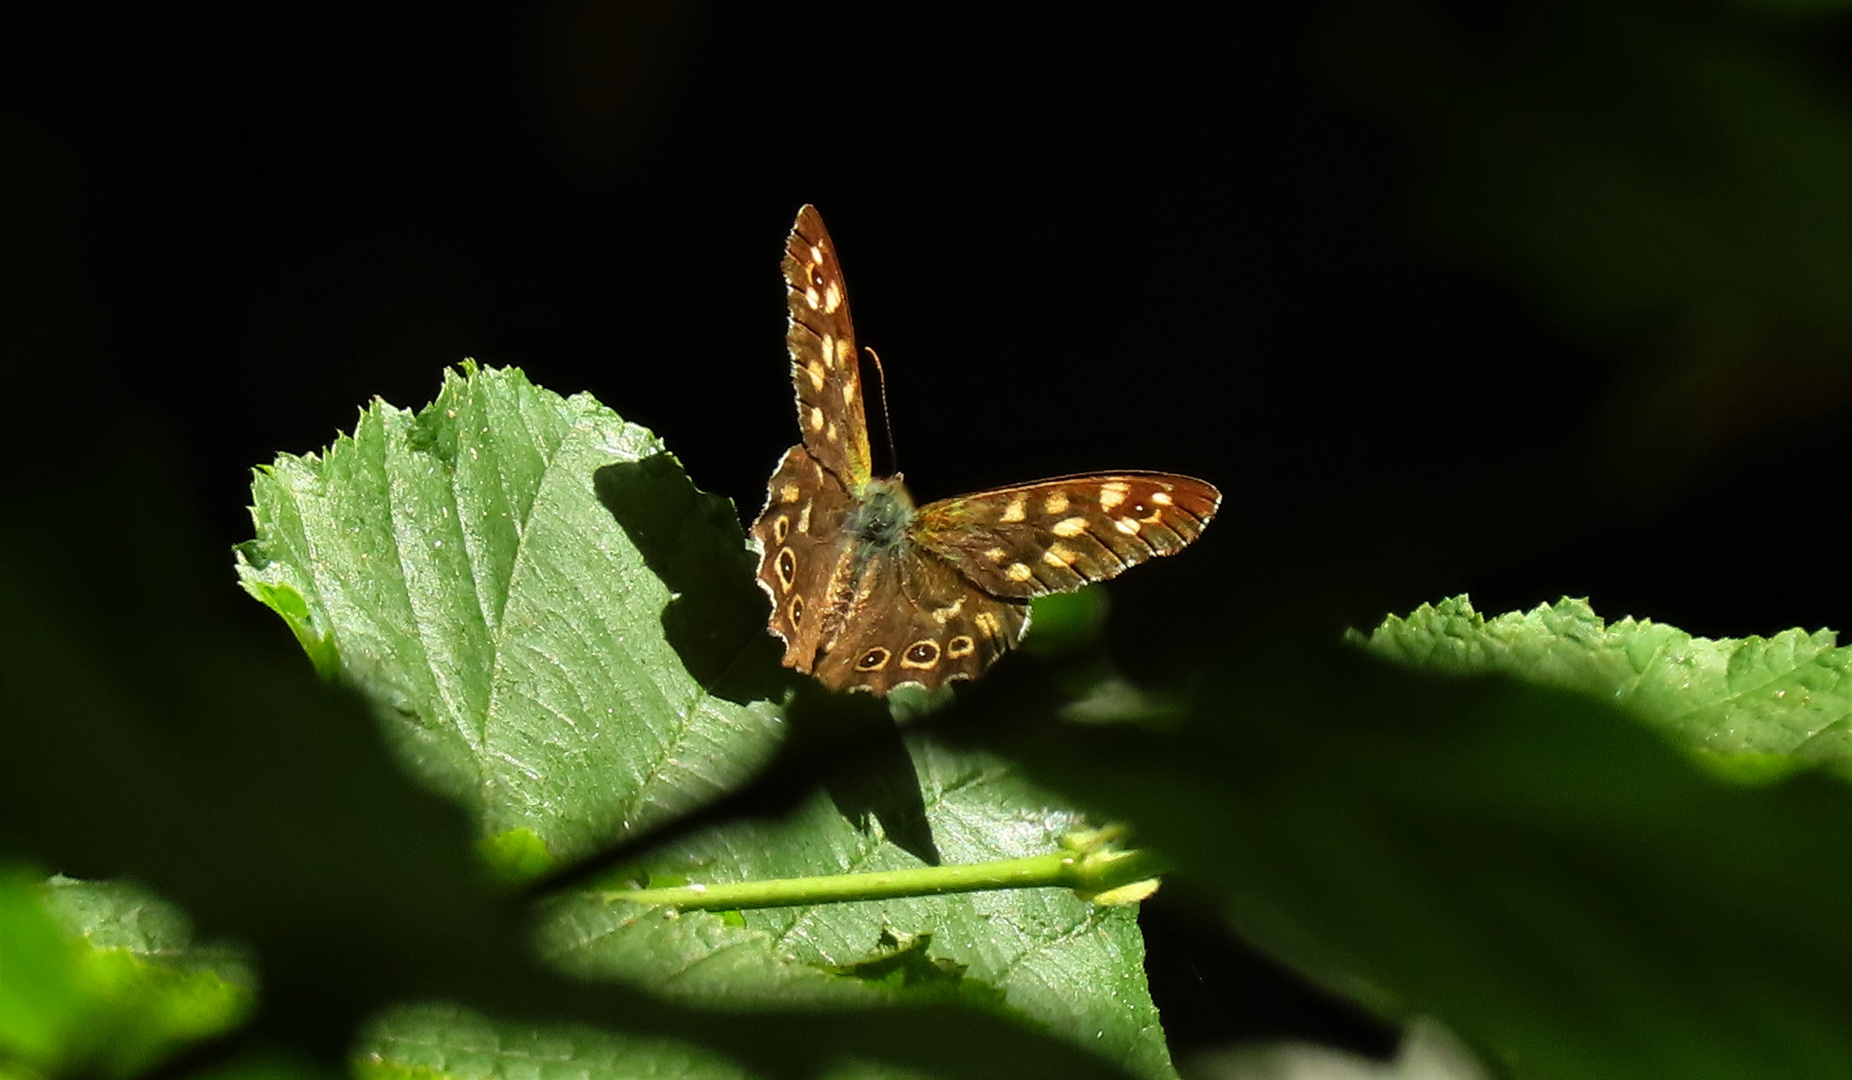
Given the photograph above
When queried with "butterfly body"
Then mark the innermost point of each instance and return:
(870, 591)
(880, 522)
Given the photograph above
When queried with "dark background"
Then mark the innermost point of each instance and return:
(1550, 299)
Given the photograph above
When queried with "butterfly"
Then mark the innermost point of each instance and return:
(869, 591)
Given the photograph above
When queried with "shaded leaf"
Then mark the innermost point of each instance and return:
(1789, 695)
(1430, 1052)
(422, 1042)
(1530, 866)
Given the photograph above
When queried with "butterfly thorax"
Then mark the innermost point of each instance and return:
(879, 522)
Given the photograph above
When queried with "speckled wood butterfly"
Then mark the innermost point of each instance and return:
(869, 591)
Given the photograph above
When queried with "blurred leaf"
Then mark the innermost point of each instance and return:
(104, 978)
(39, 991)
(459, 566)
(1743, 700)
(1650, 174)
(1531, 867)
(527, 583)
(1429, 1052)
(267, 1065)
(1067, 622)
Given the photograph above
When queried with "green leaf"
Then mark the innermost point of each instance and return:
(1073, 967)
(429, 1042)
(204, 761)
(1740, 700)
(567, 635)
(459, 566)
(104, 978)
(1530, 866)
(1429, 1052)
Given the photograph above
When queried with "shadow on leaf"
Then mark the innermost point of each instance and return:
(871, 773)
(716, 623)
(692, 541)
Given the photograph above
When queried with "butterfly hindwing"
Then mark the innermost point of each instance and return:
(824, 362)
(1056, 535)
(914, 619)
(869, 592)
(803, 552)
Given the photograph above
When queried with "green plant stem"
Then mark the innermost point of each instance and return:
(1085, 873)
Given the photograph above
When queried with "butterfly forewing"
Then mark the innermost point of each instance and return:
(868, 593)
(824, 363)
(1055, 535)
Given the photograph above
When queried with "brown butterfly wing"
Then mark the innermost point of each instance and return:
(1057, 535)
(914, 619)
(951, 596)
(824, 363)
(804, 552)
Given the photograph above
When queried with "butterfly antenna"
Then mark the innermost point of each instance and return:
(887, 421)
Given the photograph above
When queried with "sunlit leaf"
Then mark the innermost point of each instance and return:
(1789, 696)
(458, 564)
(567, 636)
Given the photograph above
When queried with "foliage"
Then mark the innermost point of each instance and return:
(1532, 827)
(461, 565)
(1745, 705)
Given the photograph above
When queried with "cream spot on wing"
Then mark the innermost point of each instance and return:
(832, 298)
(987, 623)
(1113, 493)
(944, 615)
(816, 254)
(1018, 572)
(845, 352)
(803, 520)
(816, 418)
(829, 349)
(788, 493)
(1154, 517)
(810, 296)
(1126, 525)
(1056, 503)
(848, 391)
(1013, 512)
(995, 554)
(1162, 498)
(1059, 556)
(816, 375)
(1073, 526)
